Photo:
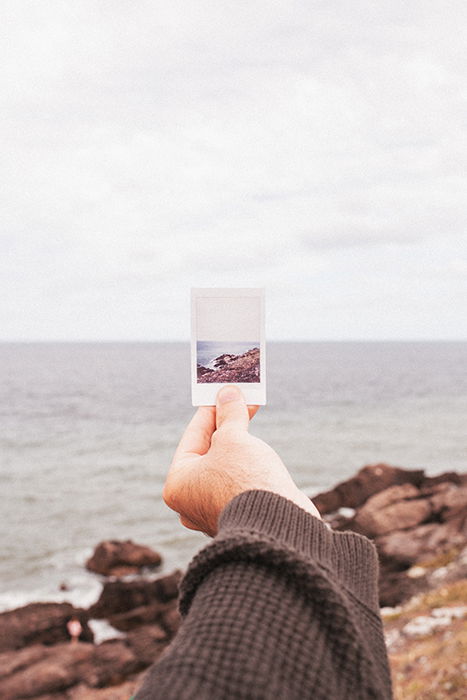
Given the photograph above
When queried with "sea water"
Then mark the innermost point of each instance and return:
(208, 351)
(87, 432)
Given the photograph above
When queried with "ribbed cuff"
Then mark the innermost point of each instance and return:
(350, 557)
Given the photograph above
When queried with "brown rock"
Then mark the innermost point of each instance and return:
(367, 482)
(232, 368)
(394, 588)
(147, 643)
(116, 692)
(111, 663)
(402, 549)
(115, 558)
(171, 620)
(446, 477)
(55, 669)
(13, 661)
(121, 596)
(396, 508)
(450, 503)
(155, 612)
(414, 526)
(40, 623)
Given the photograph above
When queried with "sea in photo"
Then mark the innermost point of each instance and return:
(228, 362)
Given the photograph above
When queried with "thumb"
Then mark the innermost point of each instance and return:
(231, 408)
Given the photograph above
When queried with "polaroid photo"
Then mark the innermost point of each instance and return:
(227, 344)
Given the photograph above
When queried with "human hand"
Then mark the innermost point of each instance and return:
(217, 459)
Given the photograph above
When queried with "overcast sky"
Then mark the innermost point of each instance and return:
(317, 148)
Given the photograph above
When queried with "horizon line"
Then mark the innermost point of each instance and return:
(188, 341)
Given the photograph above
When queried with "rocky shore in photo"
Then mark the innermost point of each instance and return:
(418, 524)
(232, 368)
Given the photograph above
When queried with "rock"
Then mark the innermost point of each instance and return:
(115, 692)
(43, 623)
(450, 503)
(232, 368)
(147, 643)
(115, 558)
(446, 477)
(111, 663)
(396, 587)
(447, 530)
(396, 508)
(368, 481)
(424, 625)
(415, 530)
(200, 370)
(417, 523)
(129, 605)
(155, 612)
(13, 661)
(121, 596)
(398, 551)
(171, 621)
(57, 668)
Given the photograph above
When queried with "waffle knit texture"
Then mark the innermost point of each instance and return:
(277, 607)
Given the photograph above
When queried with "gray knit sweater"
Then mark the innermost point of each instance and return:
(277, 607)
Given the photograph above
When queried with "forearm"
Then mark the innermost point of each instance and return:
(276, 606)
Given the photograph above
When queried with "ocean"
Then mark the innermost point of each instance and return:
(87, 432)
(208, 351)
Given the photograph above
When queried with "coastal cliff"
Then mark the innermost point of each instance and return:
(232, 368)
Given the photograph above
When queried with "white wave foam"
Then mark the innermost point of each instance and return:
(103, 631)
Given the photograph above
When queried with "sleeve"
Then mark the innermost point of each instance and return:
(279, 607)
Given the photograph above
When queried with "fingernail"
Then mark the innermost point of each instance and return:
(228, 393)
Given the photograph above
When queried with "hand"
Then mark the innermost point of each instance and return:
(217, 459)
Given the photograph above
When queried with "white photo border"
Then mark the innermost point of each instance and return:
(205, 394)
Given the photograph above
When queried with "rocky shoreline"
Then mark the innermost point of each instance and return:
(232, 368)
(418, 524)
(414, 520)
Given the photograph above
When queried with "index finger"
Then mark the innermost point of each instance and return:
(197, 436)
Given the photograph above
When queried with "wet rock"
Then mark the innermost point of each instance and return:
(40, 623)
(116, 558)
(368, 481)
